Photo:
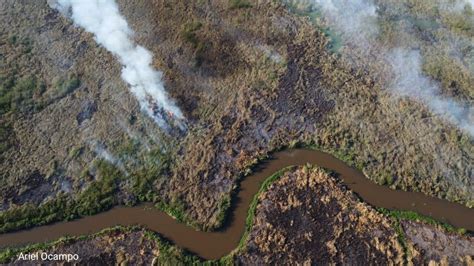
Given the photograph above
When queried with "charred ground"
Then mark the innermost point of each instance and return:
(305, 216)
(250, 78)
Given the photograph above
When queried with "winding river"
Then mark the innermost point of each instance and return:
(213, 245)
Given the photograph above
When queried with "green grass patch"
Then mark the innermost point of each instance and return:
(189, 35)
(128, 148)
(170, 254)
(224, 206)
(238, 4)
(155, 164)
(19, 96)
(413, 216)
(100, 195)
(402, 239)
(177, 210)
(29, 215)
(76, 152)
(64, 87)
(397, 216)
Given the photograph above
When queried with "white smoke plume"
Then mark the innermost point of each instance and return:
(102, 18)
(410, 81)
(356, 21)
(101, 151)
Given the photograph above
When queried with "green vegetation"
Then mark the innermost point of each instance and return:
(386, 179)
(460, 23)
(18, 96)
(12, 39)
(76, 152)
(127, 148)
(224, 207)
(63, 87)
(6, 133)
(402, 239)
(142, 185)
(21, 96)
(102, 194)
(238, 4)
(413, 216)
(152, 165)
(29, 215)
(346, 155)
(99, 196)
(189, 34)
(170, 254)
(226, 202)
(144, 166)
(177, 210)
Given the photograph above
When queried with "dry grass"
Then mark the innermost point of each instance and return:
(265, 79)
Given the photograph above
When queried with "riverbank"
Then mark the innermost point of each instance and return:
(214, 245)
(296, 190)
(284, 85)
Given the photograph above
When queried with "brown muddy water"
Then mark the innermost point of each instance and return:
(213, 245)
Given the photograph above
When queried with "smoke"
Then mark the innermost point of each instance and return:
(356, 22)
(102, 18)
(410, 81)
(354, 19)
(101, 151)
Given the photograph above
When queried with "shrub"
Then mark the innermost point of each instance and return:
(190, 36)
(100, 195)
(5, 136)
(17, 96)
(75, 152)
(237, 4)
(189, 33)
(64, 87)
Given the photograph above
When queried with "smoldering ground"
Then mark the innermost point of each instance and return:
(358, 23)
(103, 19)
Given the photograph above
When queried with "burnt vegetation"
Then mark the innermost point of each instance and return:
(251, 78)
